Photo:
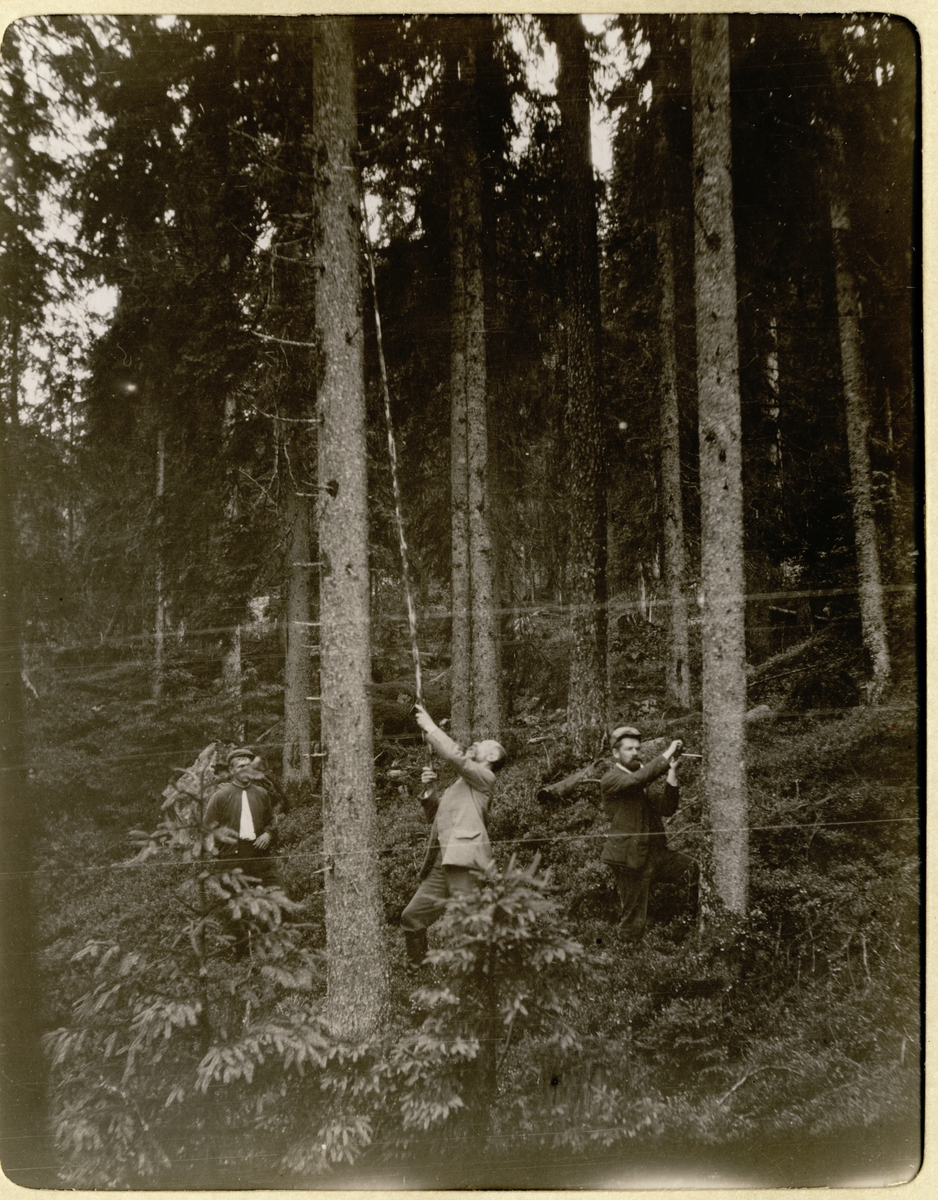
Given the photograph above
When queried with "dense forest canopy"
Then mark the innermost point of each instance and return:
(190, 198)
(337, 375)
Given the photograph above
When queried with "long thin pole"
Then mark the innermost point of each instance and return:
(392, 452)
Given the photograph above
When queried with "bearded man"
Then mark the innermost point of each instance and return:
(637, 846)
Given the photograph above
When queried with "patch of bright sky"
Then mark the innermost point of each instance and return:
(79, 314)
(373, 217)
(378, 218)
(616, 61)
(90, 308)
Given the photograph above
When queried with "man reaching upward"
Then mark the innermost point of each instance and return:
(459, 841)
(637, 848)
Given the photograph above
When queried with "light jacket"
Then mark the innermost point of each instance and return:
(458, 832)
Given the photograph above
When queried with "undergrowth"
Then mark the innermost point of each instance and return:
(533, 1024)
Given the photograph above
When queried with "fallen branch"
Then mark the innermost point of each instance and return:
(787, 655)
(592, 773)
(269, 337)
(819, 667)
(563, 787)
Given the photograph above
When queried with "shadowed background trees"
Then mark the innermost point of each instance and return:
(655, 426)
(539, 374)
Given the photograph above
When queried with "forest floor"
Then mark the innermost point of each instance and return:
(783, 1051)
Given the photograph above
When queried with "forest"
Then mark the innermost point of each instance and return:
(550, 375)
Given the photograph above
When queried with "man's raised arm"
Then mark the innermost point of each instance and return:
(477, 774)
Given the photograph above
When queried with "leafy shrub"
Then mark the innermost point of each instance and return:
(804, 1017)
(148, 1019)
(214, 1025)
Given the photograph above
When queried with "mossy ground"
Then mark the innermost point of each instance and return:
(803, 1018)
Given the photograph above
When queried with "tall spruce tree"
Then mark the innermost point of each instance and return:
(22, 1098)
(297, 526)
(857, 407)
(357, 969)
(475, 655)
(723, 688)
(26, 173)
(170, 222)
(461, 568)
(672, 500)
(875, 57)
(287, 380)
(583, 427)
(486, 715)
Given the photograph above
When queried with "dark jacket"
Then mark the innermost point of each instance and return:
(636, 830)
(224, 807)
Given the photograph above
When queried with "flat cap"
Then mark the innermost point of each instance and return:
(241, 752)
(622, 731)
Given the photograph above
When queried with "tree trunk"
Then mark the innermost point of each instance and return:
(231, 657)
(486, 720)
(357, 982)
(28, 1158)
(159, 626)
(461, 637)
(891, 452)
(297, 766)
(13, 404)
(231, 681)
(672, 504)
(583, 428)
(722, 577)
(856, 403)
(475, 651)
(774, 408)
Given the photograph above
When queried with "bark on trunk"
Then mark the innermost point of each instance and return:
(583, 429)
(672, 504)
(461, 637)
(296, 763)
(722, 576)
(159, 620)
(28, 1158)
(856, 403)
(891, 452)
(357, 981)
(475, 651)
(231, 657)
(231, 677)
(13, 403)
(486, 721)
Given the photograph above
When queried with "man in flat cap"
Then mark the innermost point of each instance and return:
(459, 842)
(637, 848)
(245, 807)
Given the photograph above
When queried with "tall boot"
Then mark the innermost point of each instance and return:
(415, 943)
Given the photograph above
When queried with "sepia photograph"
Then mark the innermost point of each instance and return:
(462, 693)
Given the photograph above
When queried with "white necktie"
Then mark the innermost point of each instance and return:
(247, 821)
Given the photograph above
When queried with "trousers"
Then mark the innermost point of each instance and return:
(260, 864)
(633, 887)
(429, 900)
